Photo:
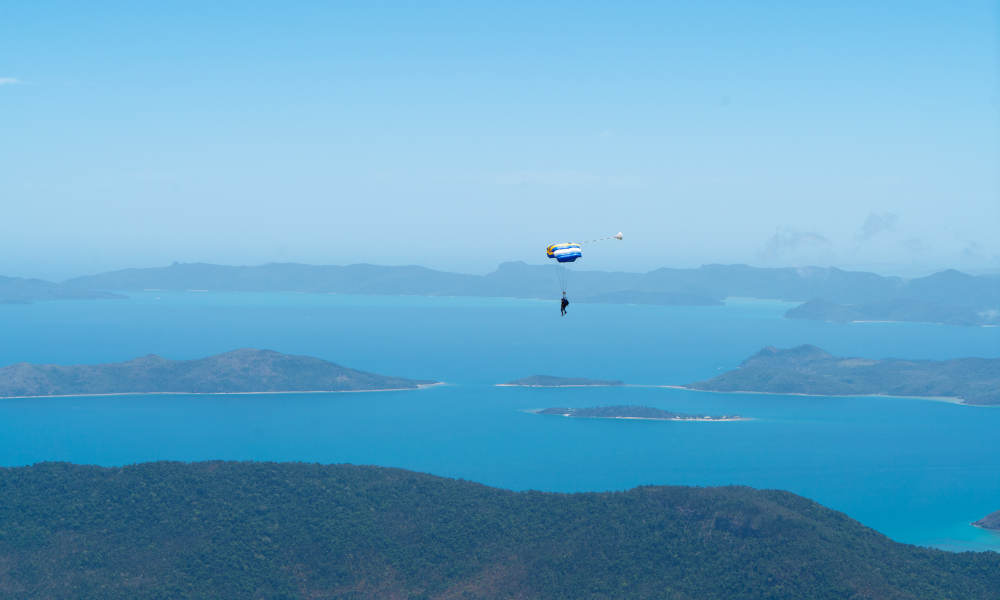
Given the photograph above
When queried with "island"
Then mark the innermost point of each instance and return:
(644, 413)
(20, 290)
(828, 293)
(298, 530)
(898, 310)
(948, 297)
(552, 381)
(247, 370)
(812, 371)
(991, 521)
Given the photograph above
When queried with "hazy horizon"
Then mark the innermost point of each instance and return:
(458, 137)
(887, 272)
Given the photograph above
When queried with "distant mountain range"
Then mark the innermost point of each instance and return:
(239, 371)
(810, 370)
(292, 530)
(828, 293)
(709, 284)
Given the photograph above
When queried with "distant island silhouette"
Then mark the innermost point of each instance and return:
(246, 370)
(823, 293)
(21, 290)
(811, 370)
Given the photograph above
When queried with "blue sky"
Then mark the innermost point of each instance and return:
(462, 134)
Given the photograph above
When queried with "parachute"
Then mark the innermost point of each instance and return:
(569, 252)
(563, 253)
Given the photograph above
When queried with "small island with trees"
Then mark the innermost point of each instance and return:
(243, 371)
(643, 413)
(809, 370)
(991, 521)
(552, 381)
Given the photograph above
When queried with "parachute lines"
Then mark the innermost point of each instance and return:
(566, 253)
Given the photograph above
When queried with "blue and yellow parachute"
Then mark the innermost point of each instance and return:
(566, 252)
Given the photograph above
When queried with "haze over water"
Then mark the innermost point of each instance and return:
(917, 470)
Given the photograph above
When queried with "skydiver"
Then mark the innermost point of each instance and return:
(563, 304)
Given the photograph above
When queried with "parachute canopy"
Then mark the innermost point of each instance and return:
(567, 252)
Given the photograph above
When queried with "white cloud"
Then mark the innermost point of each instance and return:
(9, 81)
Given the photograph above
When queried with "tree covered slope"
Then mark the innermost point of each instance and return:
(290, 530)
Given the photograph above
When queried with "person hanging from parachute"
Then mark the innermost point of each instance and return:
(564, 254)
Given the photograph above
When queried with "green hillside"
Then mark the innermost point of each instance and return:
(264, 530)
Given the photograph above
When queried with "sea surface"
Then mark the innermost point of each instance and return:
(917, 470)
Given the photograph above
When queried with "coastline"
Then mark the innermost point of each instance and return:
(419, 386)
(947, 399)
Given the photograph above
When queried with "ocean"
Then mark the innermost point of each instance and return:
(916, 470)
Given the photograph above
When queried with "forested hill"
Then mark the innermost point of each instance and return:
(811, 370)
(238, 371)
(264, 530)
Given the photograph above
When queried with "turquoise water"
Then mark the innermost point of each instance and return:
(919, 471)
